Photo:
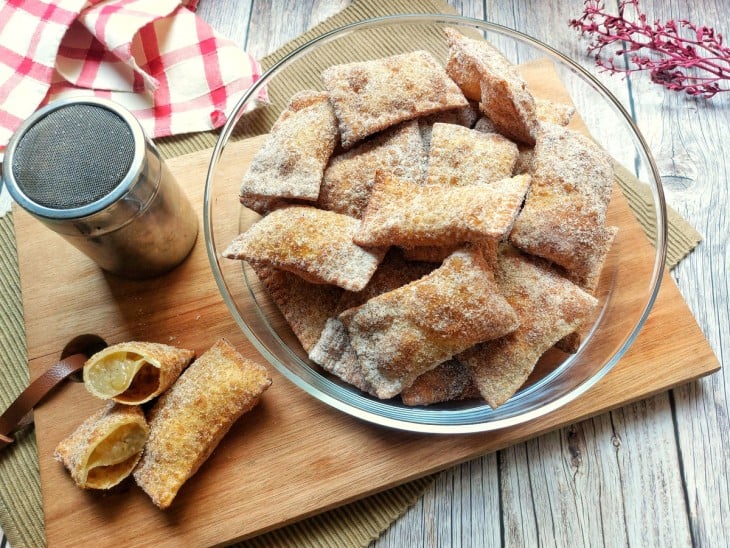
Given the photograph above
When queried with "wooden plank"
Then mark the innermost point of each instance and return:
(689, 139)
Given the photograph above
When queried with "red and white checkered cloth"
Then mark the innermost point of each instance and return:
(156, 57)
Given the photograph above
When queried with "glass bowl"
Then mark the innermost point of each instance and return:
(629, 283)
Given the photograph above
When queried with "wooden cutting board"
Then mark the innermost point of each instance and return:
(292, 456)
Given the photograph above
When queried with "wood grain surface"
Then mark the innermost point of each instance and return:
(651, 473)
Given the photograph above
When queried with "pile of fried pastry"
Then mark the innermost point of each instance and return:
(429, 231)
(192, 405)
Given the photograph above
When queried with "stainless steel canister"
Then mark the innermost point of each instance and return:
(85, 169)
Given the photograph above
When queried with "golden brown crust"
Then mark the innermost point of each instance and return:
(312, 243)
(548, 306)
(190, 419)
(333, 351)
(304, 305)
(106, 447)
(564, 217)
(552, 112)
(403, 333)
(464, 116)
(349, 176)
(134, 372)
(370, 96)
(484, 74)
(405, 214)
(393, 272)
(291, 161)
(449, 381)
(335, 354)
(462, 156)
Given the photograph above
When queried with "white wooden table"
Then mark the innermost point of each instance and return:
(649, 474)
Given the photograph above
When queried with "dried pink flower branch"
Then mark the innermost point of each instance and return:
(679, 55)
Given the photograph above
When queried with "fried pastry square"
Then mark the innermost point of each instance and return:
(485, 125)
(564, 217)
(552, 112)
(134, 372)
(333, 351)
(349, 176)
(462, 156)
(449, 381)
(484, 74)
(312, 243)
(189, 420)
(549, 307)
(394, 271)
(370, 96)
(106, 447)
(405, 214)
(403, 333)
(292, 158)
(465, 116)
(304, 305)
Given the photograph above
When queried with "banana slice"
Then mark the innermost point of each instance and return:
(106, 447)
(133, 373)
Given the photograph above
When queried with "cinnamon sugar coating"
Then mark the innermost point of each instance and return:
(189, 420)
(411, 176)
(291, 161)
(349, 176)
(564, 217)
(403, 333)
(312, 243)
(462, 156)
(484, 74)
(464, 116)
(304, 305)
(448, 381)
(333, 351)
(370, 96)
(405, 214)
(548, 306)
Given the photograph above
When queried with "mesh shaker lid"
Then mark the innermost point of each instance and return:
(73, 156)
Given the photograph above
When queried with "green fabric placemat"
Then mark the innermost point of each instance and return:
(355, 524)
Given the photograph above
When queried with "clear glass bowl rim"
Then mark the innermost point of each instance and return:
(422, 426)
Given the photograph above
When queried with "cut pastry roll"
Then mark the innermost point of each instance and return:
(134, 372)
(190, 419)
(106, 447)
